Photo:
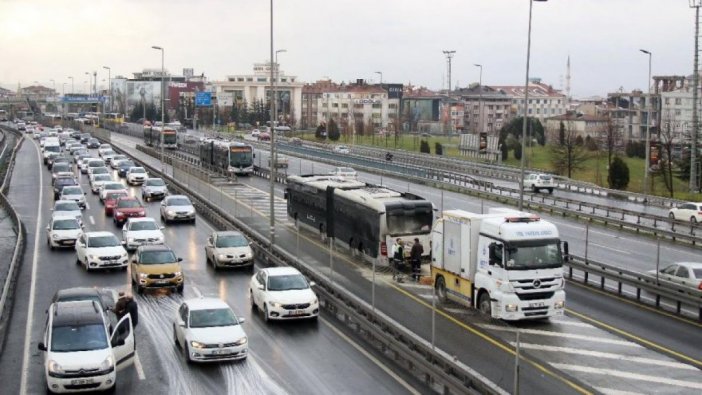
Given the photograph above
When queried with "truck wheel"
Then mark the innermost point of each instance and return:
(484, 304)
(441, 289)
(534, 189)
(550, 190)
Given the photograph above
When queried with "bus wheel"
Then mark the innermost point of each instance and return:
(440, 287)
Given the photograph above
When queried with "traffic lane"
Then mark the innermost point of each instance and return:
(298, 352)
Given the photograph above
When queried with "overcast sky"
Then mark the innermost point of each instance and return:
(42, 40)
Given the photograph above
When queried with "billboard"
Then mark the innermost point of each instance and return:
(83, 99)
(203, 99)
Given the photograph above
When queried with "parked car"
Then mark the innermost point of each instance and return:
(100, 250)
(141, 231)
(283, 293)
(228, 249)
(685, 273)
(207, 330)
(537, 182)
(127, 207)
(63, 231)
(156, 266)
(689, 211)
(177, 208)
(153, 188)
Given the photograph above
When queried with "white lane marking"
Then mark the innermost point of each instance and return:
(610, 391)
(87, 205)
(565, 335)
(371, 358)
(607, 355)
(138, 367)
(572, 323)
(197, 292)
(610, 248)
(92, 220)
(629, 375)
(32, 287)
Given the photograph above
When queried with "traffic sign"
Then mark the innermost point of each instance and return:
(203, 99)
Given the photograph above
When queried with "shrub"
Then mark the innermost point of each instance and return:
(618, 177)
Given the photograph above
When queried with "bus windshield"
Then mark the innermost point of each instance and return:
(537, 254)
(169, 137)
(409, 222)
(241, 157)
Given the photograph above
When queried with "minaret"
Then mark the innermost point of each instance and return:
(567, 87)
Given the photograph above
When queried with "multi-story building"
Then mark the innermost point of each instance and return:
(676, 108)
(577, 125)
(544, 101)
(311, 98)
(486, 109)
(249, 88)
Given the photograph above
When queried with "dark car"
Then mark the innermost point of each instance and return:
(76, 135)
(93, 143)
(124, 167)
(106, 298)
(53, 159)
(84, 137)
(61, 182)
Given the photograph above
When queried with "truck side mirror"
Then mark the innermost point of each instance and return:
(566, 252)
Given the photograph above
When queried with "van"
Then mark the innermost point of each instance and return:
(51, 145)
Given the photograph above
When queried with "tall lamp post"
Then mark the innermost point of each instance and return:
(694, 176)
(109, 81)
(163, 112)
(480, 99)
(272, 153)
(90, 82)
(381, 75)
(526, 113)
(71, 78)
(647, 164)
(277, 76)
(382, 124)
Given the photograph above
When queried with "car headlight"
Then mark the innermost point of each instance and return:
(130, 240)
(178, 274)
(107, 364)
(143, 275)
(54, 236)
(125, 256)
(505, 286)
(195, 344)
(276, 304)
(54, 367)
(559, 304)
(511, 308)
(241, 341)
(221, 256)
(93, 257)
(170, 212)
(315, 301)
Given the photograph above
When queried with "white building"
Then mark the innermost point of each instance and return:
(544, 101)
(250, 88)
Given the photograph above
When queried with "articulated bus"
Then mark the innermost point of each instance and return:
(364, 218)
(152, 136)
(233, 157)
(110, 119)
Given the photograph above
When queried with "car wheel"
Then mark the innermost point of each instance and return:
(87, 267)
(175, 338)
(550, 190)
(671, 216)
(253, 302)
(180, 288)
(693, 220)
(266, 318)
(534, 189)
(140, 290)
(186, 354)
(441, 289)
(78, 262)
(484, 304)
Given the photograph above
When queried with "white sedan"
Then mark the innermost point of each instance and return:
(342, 149)
(206, 329)
(100, 250)
(141, 231)
(67, 208)
(283, 293)
(62, 231)
(689, 211)
(345, 172)
(111, 187)
(97, 180)
(685, 273)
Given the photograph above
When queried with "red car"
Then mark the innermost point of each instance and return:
(127, 207)
(111, 201)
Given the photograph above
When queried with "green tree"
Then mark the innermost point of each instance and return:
(424, 147)
(438, 148)
(518, 152)
(333, 130)
(618, 177)
(504, 149)
(319, 133)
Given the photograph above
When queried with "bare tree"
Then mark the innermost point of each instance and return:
(570, 156)
(666, 162)
(611, 138)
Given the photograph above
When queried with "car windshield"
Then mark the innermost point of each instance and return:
(231, 241)
(114, 186)
(533, 255)
(155, 183)
(126, 163)
(71, 338)
(108, 152)
(72, 191)
(66, 224)
(128, 204)
(101, 170)
(212, 317)
(179, 202)
(287, 282)
(59, 167)
(52, 148)
(67, 206)
(144, 225)
(103, 241)
(157, 257)
(115, 196)
(96, 163)
(102, 177)
(137, 170)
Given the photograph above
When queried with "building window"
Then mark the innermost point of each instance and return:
(377, 105)
(261, 79)
(335, 105)
(677, 112)
(249, 79)
(678, 101)
(344, 105)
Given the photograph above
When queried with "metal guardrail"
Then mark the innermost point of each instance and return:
(438, 369)
(679, 294)
(9, 280)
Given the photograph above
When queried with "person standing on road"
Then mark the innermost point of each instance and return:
(133, 310)
(127, 305)
(120, 308)
(416, 258)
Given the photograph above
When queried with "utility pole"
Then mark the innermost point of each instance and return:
(449, 56)
(480, 99)
(694, 182)
(647, 165)
(272, 153)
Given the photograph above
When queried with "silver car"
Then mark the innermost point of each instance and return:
(685, 273)
(177, 208)
(228, 249)
(153, 188)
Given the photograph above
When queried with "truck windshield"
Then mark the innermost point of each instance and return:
(534, 255)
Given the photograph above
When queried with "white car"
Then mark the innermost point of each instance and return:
(83, 164)
(136, 175)
(283, 293)
(111, 187)
(74, 193)
(342, 149)
(228, 249)
(153, 188)
(67, 208)
(255, 133)
(207, 330)
(98, 170)
(537, 182)
(115, 159)
(96, 181)
(80, 354)
(103, 148)
(93, 163)
(689, 211)
(685, 273)
(345, 172)
(100, 250)
(177, 208)
(141, 231)
(62, 231)
(108, 155)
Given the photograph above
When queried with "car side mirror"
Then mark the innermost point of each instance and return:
(566, 253)
(312, 283)
(259, 286)
(181, 323)
(41, 346)
(134, 260)
(242, 320)
(48, 228)
(180, 259)
(124, 243)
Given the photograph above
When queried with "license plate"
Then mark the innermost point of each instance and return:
(297, 312)
(538, 304)
(81, 381)
(162, 281)
(221, 352)
(69, 242)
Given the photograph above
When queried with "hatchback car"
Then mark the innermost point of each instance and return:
(689, 211)
(62, 231)
(109, 187)
(228, 249)
(177, 208)
(61, 169)
(283, 293)
(127, 207)
(156, 266)
(537, 182)
(136, 175)
(685, 273)
(141, 231)
(100, 250)
(153, 188)
(111, 200)
(96, 181)
(207, 330)
(74, 193)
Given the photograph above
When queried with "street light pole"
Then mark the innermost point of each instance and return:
(277, 76)
(480, 99)
(163, 113)
(526, 111)
(694, 181)
(647, 165)
(71, 78)
(109, 81)
(381, 75)
(272, 153)
(382, 124)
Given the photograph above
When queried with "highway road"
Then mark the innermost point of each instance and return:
(615, 346)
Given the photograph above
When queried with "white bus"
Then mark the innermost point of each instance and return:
(364, 218)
